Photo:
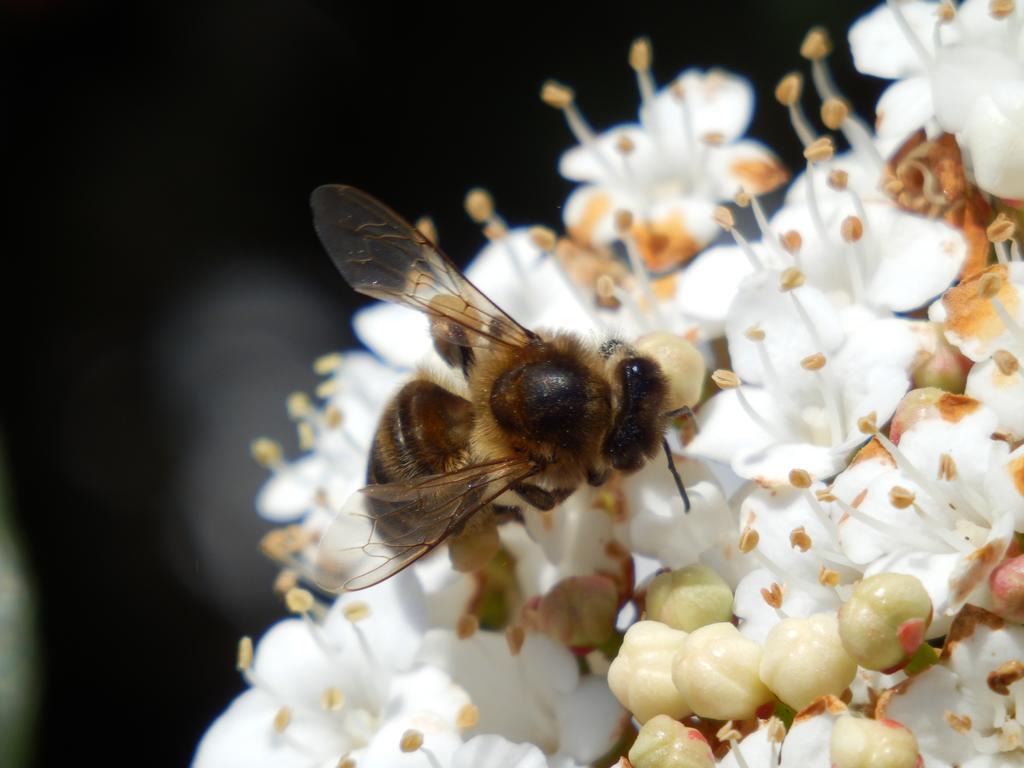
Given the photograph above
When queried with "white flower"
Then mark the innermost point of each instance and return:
(669, 170)
(532, 693)
(322, 691)
(805, 382)
(965, 72)
(968, 709)
(941, 505)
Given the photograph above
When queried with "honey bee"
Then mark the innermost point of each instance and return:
(540, 412)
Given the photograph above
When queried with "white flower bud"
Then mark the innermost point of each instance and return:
(641, 674)
(804, 659)
(666, 743)
(861, 743)
(689, 598)
(884, 621)
(716, 671)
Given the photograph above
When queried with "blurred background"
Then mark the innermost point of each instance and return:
(170, 291)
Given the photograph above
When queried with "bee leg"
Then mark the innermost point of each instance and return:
(535, 496)
(597, 477)
(507, 514)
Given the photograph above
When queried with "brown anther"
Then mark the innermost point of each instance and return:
(868, 425)
(1000, 9)
(959, 723)
(543, 238)
(346, 762)
(723, 217)
(824, 495)
(1006, 362)
(298, 600)
(901, 497)
(947, 467)
(356, 611)
(479, 205)
(326, 364)
(624, 145)
(332, 416)
(827, 577)
(495, 230)
(946, 12)
(298, 405)
(800, 478)
(411, 740)
(623, 221)
(556, 94)
(800, 539)
(754, 333)
(725, 379)
(851, 229)
(813, 362)
(775, 730)
(515, 636)
(791, 278)
(466, 626)
(266, 452)
(243, 659)
(713, 138)
(426, 227)
(791, 241)
(282, 718)
(748, 540)
(640, 54)
(820, 150)
(1006, 674)
(728, 732)
(989, 285)
(773, 595)
(467, 717)
(788, 91)
(892, 187)
(838, 179)
(741, 198)
(816, 45)
(834, 112)
(286, 580)
(332, 699)
(604, 286)
(1001, 229)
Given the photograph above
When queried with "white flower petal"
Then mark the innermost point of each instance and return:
(590, 720)
(489, 751)
(1001, 392)
(400, 335)
(879, 46)
(904, 107)
(994, 140)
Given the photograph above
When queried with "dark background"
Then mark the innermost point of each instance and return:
(165, 291)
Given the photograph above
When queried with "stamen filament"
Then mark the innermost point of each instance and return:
(908, 33)
(755, 416)
(766, 231)
(904, 536)
(830, 391)
(1011, 325)
(812, 205)
(639, 271)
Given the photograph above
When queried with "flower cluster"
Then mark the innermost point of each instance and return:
(844, 585)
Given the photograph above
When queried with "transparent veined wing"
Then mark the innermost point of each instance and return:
(384, 528)
(381, 255)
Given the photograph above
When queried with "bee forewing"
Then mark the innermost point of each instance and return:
(381, 255)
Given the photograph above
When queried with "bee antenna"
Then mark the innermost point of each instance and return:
(675, 475)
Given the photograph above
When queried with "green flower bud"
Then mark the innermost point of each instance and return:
(884, 621)
(804, 659)
(860, 743)
(689, 598)
(667, 743)
(580, 611)
(716, 671)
